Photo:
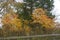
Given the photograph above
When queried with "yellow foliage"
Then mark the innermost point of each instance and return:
(26, 22)
(39, 16)
(13, 20)
(27, 29)
(17, 22)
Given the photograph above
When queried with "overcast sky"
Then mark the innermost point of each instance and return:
(19, 0)
(56, 10)
(57, 7)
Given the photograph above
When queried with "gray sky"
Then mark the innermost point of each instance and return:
(56, 10)
(19, 0)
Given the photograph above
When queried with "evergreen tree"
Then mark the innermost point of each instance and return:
(31, 5)
(47, 5)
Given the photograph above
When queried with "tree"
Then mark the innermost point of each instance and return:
(32, 16)
(41, 23)
(47, 5)
(40, 17)
(11, 19)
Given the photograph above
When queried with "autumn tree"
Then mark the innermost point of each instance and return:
(12, 19)
(40, 17)
(32, 16)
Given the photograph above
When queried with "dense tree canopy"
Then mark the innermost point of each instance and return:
(39, 16)
(28, 18)
(47, 5)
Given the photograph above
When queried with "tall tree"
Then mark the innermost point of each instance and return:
(47, 5)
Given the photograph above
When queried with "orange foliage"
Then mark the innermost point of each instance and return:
(27, 29)
(39, 16)
(12, 19)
